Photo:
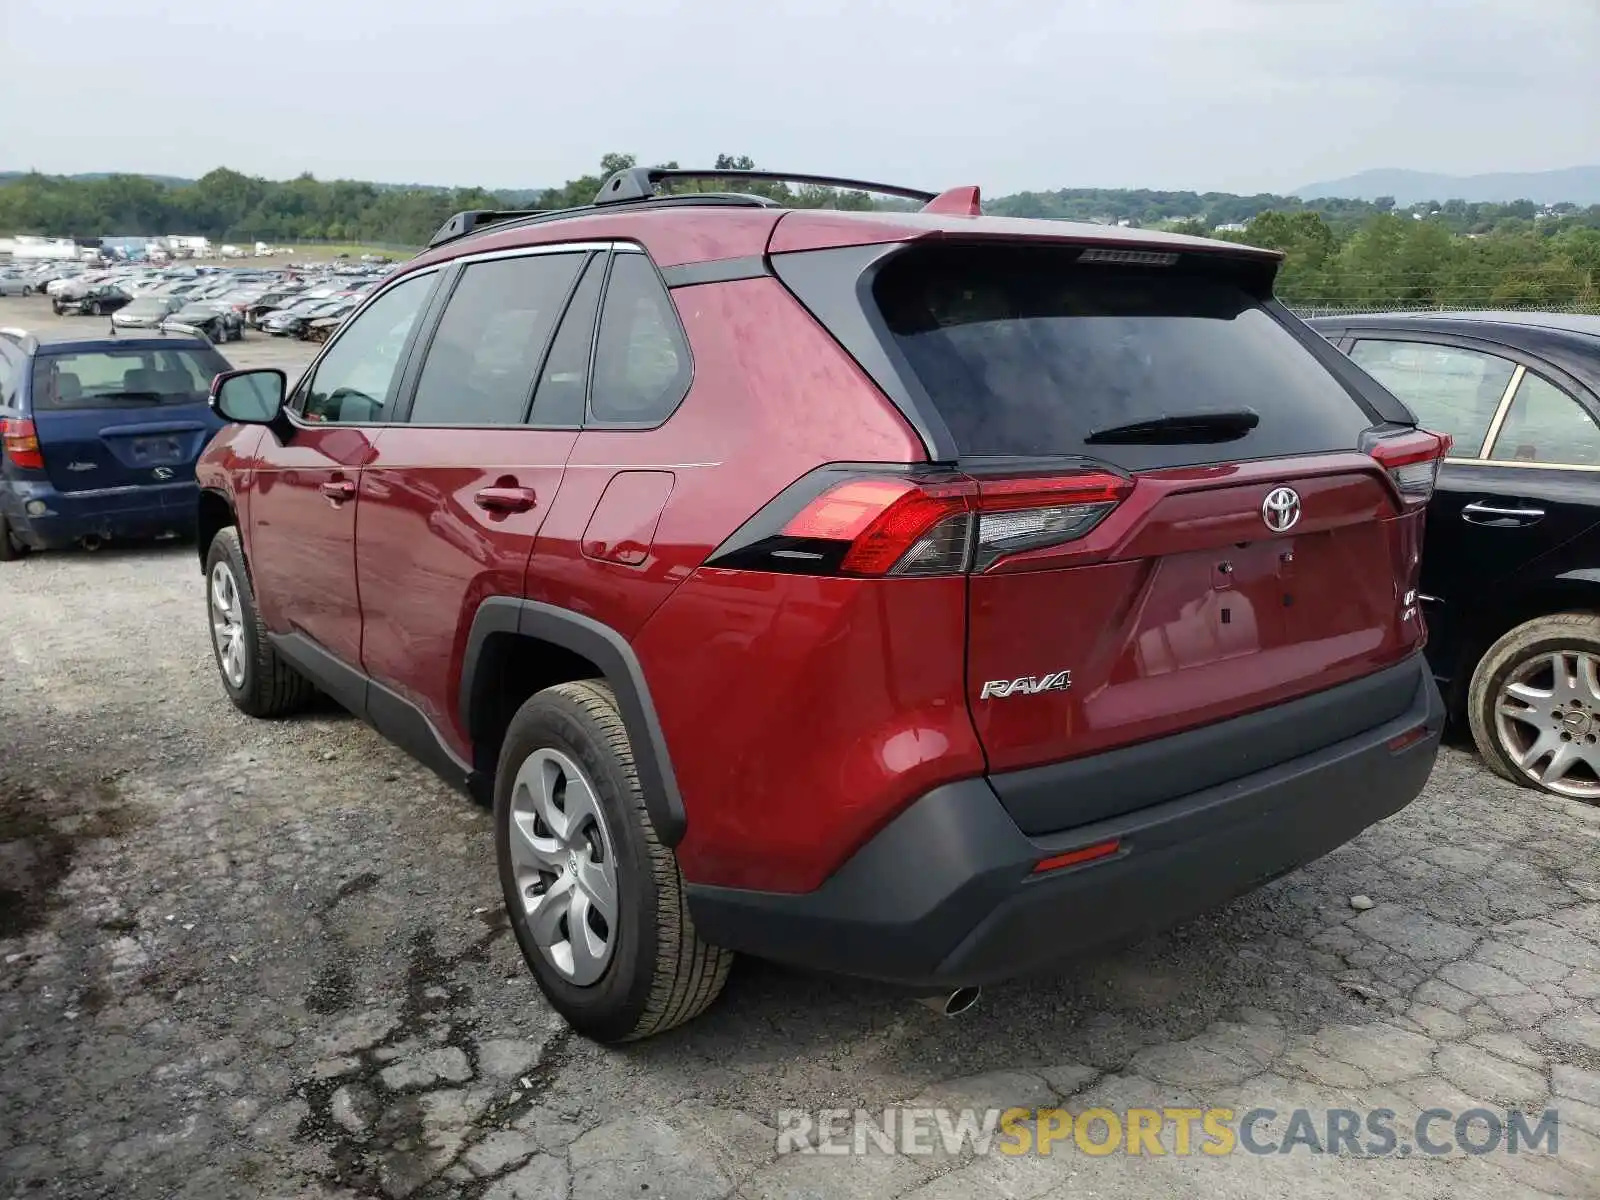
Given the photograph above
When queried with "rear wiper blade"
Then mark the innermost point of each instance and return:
(1179, 429)
(148, 397)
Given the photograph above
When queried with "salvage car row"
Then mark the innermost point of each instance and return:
(222, 303)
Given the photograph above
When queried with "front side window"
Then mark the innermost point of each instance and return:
(1545, 425)
(481, 363)
(1450, 390)
(641, 362)
(353, 382)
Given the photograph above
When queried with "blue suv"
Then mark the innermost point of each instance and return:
(98, 439)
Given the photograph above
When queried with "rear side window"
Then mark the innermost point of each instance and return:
(132, 378)
(1450, 389)
(1545, 425)
(483, 358)
(641, 362)
(1025, 352)
(564, 382)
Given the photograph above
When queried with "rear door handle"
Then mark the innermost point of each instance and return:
(505, 499)
(339, 490)
(1479, 512)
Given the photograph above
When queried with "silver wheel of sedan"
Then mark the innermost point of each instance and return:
(565, 865)
(1547, 720)
(227, 624)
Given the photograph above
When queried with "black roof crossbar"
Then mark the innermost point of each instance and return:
(639, 183)
(477, 220)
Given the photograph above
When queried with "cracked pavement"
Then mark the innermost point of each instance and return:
(268, 959)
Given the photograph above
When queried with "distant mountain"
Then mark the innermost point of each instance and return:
(1577, 185)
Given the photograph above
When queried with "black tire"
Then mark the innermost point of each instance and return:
(96, 309)
(26, 290)
(10, 548)
(660, 973)
(1574, 631)
(270, 687)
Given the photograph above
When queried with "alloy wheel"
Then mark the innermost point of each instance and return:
(565, 865)
(1547, 718)
(227, 624)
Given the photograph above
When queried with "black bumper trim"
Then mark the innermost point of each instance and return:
(1069, 794)
(943, 897)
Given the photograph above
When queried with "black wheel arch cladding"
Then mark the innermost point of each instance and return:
(618, 665)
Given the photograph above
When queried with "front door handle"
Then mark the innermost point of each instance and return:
(505, 499)
(1480, 512)
(339, 490)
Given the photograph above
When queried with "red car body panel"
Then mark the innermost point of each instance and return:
(427, 555)
(1175, 612)
(302, 541)
(773, 397)
(803, 714)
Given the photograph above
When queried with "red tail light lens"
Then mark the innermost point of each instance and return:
(1413, 460)
(900, 525)
(20, 441)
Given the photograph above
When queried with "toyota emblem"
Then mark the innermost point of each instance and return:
(1281, 509)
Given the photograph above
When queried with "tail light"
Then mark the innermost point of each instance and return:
(20, 441)
(1412, 460)
(836, 523)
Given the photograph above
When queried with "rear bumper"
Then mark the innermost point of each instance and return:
(944, 895)
(122, 512)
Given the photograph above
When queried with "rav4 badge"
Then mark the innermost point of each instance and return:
(1028, 685)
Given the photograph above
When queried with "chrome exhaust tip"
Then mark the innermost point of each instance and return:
(952, 1004)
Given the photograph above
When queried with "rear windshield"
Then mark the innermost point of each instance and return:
(132, 378)
(1025, 352)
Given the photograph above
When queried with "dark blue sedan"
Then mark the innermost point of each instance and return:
(98, 439)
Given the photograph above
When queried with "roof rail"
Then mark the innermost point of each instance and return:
(639, 183)
(476, 220)
(29, 343)
(472, 219)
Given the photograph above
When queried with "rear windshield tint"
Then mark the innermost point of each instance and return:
(1025, 352)
(132, 378)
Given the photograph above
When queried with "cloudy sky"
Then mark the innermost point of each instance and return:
(1234, 95)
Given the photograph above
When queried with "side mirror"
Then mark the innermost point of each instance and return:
(250, 397)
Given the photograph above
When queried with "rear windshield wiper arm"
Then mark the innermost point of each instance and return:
(1179, 429)
(148, 397)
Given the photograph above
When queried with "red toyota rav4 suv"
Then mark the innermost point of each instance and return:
(915, 595)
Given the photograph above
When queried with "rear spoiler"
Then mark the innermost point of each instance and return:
(22, 337)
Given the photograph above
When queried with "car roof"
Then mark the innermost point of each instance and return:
(1583, 323)
(104, 345)
(685, 228)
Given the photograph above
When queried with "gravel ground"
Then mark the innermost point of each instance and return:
(246, 958)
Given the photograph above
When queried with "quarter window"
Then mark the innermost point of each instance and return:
(1545, 425)
(482, 361)
(1450, 390)
(354, 381)
(641, 362)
